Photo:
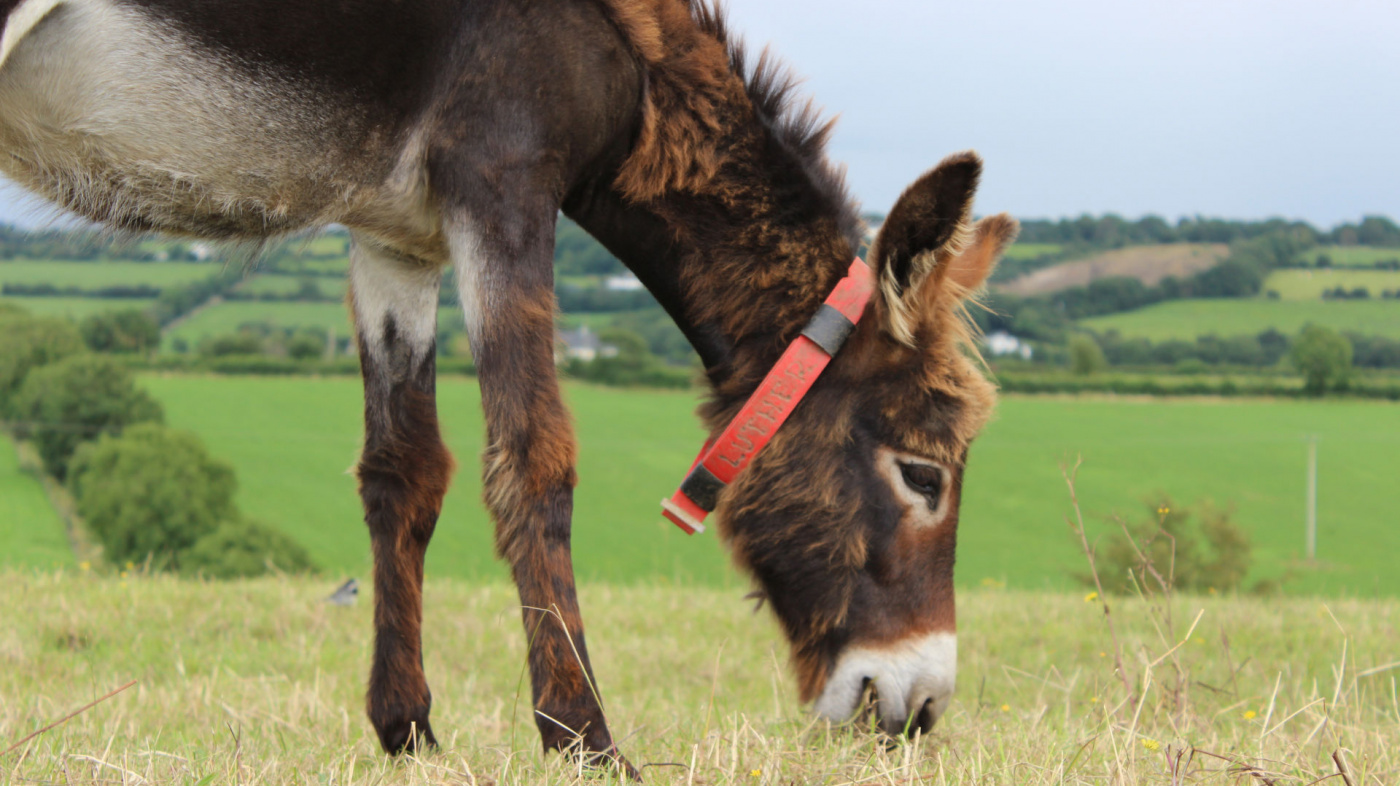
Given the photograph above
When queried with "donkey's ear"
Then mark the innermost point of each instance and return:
(990, 238)
(929, 217)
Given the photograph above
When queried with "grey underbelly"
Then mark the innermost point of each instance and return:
(127, 121)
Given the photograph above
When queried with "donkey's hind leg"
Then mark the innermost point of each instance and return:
(404, 470)
(502, 245)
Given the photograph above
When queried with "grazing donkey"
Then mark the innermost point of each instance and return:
(453, 132)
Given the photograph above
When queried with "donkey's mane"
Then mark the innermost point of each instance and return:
(697, 75)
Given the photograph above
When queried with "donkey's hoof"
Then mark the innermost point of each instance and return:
(409, 735)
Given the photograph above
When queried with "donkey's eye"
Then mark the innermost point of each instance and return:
(923, 478)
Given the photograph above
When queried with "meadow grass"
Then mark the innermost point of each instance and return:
(1351, 256)
(227, 316)
(1187, 319)
(76, 308)
(94, 275)
(261, 682)
(287, 283)
(292, 441)
(1310, 284)
(1032, 250)
(31, 533)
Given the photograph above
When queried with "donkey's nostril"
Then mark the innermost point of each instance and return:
(924, 720)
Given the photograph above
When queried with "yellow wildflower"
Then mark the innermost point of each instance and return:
(755, 773)
(130, 564)
(1151, 745)
(1006, 708)
(1250, 714)
(85, 565)
(1094, 700)
(1091, 597)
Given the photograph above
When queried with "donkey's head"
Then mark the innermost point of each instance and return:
(848, 519)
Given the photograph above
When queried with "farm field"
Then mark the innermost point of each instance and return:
(1032, 250)
(261, 683)
(31, 533)
(95, 275)
(286, 284)
(1310, 284)
(1352, 256)
(75, 308)
(1187, 319)
(228, 315)
(1148, 264)
(292, 440)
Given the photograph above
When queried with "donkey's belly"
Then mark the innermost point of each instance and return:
(130, 122)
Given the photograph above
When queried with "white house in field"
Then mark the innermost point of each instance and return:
(1000, 343)
(581, 343)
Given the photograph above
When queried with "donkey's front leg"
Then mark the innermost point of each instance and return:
(504, 261)
(404, 471)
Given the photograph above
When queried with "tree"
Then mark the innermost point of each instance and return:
(30, 342)
(151, 491)
(130, 330)
(1323, 357)
(64, 404)
(1086, 357)
(243, 548)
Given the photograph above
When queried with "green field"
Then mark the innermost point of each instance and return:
(1187, 319)
(75, 307)
(31, 534)
(1310, 284)
(1032, 250)
(95, 275)
(260, 683)
(227, 316)
(286, 284)
(292, 441)
(1351, 256)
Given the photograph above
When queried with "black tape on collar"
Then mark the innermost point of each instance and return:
(829, 329)
(702, 487)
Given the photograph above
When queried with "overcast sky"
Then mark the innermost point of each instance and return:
(1232, 108)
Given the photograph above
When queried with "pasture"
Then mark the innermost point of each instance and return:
(1351, 256)
(1032, 250)
(31, 533)
(75, 308)
(1187, 319)
(228, 315)
(96, 275)
(292, 441)
(261, 683)
(1148, 264)
(286, 284)
(1310, 284)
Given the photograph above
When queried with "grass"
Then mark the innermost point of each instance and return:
(228, 316)
(31, 533)
(261, 683)
(1032, 250)
(292, 440)
(1187, 319)
(75, 307)
(285, 284)
(95, 275)
(1352, 256)
(1310, 284)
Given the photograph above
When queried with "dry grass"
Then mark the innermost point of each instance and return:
(1148, 264)
(260, 683)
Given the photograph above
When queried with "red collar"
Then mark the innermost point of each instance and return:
(722, 458)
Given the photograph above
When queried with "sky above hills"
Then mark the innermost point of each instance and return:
(1232, 108)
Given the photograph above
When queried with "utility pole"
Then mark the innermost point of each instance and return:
(1311, 532)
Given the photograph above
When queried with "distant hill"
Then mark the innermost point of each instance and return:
(1148, 264)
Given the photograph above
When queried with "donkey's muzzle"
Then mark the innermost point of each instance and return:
(902, 687)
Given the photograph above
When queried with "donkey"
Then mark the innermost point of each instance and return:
(452, 133)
